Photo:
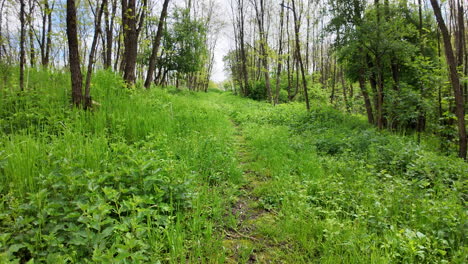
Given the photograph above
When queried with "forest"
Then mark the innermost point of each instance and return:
(233, 131)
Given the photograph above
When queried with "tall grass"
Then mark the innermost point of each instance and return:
(338, 191)
(141, 178)
(149, 176)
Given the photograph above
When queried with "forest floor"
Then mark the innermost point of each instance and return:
(169, 176)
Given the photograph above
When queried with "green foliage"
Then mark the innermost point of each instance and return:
(184, 44)
(139, 179)
(342, 192)
(150, 176)
(388, 42)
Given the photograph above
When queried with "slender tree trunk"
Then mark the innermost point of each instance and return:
(156, 42)
(298, 52)
(118, 51)
(245, 73)
(42, 43)
(421, 126)
(280, 54)
(74, 56)
(22, 41)
(2, 47)
(290, 97)
(460, 35)
(97, 32)
(109, 22)
(454, 79)
(260, 14)
(332, 95)
(373, 84)
(345, 95)
(380, 94)
(48, 44)
(365, 95)
(32, 52)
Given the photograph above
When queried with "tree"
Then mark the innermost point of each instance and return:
(280, 54)
(97, 31)
(240, 34)
(156, 43)
(109, 17)
(298, 51)
(184, 45)
(32, 51)
(74, 56)
(22, 41)
(132, 25)
(454, 79)
(45, 40)
(260, 16)
(347, 17)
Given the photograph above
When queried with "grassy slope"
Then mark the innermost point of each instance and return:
(151, 176)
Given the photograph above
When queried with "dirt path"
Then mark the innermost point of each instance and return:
(244, 243)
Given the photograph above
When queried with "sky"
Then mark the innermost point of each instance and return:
(222, 48)
(224, 43)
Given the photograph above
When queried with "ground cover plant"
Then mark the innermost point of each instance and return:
(167, 175)
(338, 191)
(232, 131)
(140, 179)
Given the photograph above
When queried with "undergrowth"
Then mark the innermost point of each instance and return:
(343, 192)
(150, 176)
(141, 178)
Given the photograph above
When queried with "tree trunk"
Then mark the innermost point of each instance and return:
(365, 95)
(280, 54)
(32, 52)
(454, 79)
(42, 44)
(298, 52)
(109, 21)
(345, 95)
(22, 40)
(2, 47)
(243, 52)
(380, 94)
(97, 32)
(260, 14)
(48, 43)
(131, 31)
(332, 95)
(156, 42)
(73, 53)
(118, 51)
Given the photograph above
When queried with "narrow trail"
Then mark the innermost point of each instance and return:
(244, 243)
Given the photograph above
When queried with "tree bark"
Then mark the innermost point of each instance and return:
(454, 79)
(73, 53)
(156, 42)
